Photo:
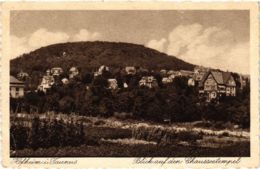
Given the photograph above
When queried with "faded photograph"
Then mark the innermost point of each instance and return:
(130, 83)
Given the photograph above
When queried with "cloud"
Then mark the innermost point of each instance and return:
(212, 46)
(42, 37)
(158, 45)
(85, 35)
(18, 46)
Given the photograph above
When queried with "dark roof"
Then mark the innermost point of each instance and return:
(13, 80)
(226, 76)
(201, 83)
(220, 77)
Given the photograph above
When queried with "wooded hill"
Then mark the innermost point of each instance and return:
(88, 56)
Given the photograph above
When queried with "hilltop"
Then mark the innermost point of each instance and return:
(90, 55)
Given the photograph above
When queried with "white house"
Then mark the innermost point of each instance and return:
(191, 82)
(112, 84)
(73, 72)
(65, 81)
(46, 83)
(148, 81)
(16, 88)
(56, 71)
(130, 70)
(167, 80)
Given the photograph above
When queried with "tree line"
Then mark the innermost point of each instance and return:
(177, 102)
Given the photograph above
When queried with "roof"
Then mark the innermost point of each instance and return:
(13, 80)
(220, 77)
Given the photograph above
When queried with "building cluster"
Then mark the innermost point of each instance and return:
(211, 83)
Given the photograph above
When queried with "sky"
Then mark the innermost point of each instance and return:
(216, 38)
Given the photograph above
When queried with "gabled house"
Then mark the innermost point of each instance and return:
(148, 81)
(199, 72)
(216, 83)
(16, 88)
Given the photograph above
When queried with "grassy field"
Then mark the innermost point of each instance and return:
(117, 138)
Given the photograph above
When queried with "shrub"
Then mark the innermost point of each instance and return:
(45, 134)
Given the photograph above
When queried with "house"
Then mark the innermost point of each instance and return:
(125, 85)
(199, 72)
(216, 83)
(73, 72)
(142, 70)
(167, 80)
(101, 70)
(148, 81)
(112, 84)
(242, 81)
(186, 73)
(191, 82)
(56, 71)
(171, 72)
(130, 70)
(163, 72)
(171, 77)
(46, 83)
(22, 75)
(16, 88)
(65, 81)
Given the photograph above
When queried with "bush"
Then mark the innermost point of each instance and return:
(45, 134)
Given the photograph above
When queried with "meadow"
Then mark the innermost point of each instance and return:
(79, 136)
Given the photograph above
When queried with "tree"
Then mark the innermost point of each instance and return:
(66, 104)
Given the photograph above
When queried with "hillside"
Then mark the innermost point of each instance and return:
(90, 55)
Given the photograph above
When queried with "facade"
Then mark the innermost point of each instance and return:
(216, 83)
(46, 83)
(148, 81)
(112, 84)
(22, 75)
(65, 81)
(100, 71)
(191, 82)
(242, 80)
(163, 72)
(171, 72)
(167, 80)
(56, 71)
(130, 70)
(199, 72)
(125, 85)
(16, 88)
(73, 72)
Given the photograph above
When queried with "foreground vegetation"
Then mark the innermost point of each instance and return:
(110, 137)
(115, 150)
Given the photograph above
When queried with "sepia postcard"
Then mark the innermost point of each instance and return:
(130, 84)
